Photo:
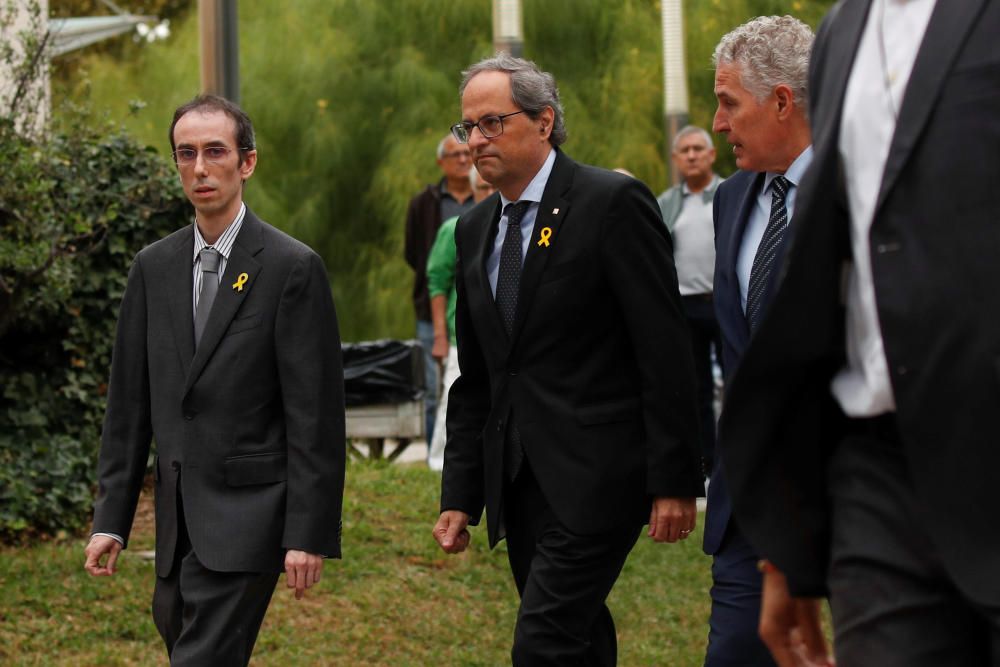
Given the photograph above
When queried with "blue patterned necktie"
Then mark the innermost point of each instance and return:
(763, 261)
(509, 276)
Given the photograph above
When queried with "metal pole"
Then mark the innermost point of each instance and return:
(206, 24)
(508, 27)
(229, 50)
(675, 92)
(220, 53)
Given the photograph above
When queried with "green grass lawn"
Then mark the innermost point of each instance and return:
(395, 599)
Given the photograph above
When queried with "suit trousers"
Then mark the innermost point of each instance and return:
(736, 587)
(705, 337)
(893, 601)
(207, 617)
(563, 580)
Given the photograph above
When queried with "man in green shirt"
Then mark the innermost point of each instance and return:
(441, 287)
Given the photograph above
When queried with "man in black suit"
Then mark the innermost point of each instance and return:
(760, 82)
(228, 356)
(574, 418)
(859, 435)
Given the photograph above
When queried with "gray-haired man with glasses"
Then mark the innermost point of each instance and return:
(573, 421)
(228, 356)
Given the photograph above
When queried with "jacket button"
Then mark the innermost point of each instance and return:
(188, 416)
(512, 372)
(499, 425)
(176, 465)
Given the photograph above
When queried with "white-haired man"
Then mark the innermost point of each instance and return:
(760, 83)
(867, 468)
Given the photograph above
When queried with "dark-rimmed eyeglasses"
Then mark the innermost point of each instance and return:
(490, 126)
(210, 154)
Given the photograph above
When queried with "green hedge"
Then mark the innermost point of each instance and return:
(75, 205)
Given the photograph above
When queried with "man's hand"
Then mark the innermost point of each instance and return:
(790, 627)
(451, 531)
(302, 570)
(440, 348)
(672, 519)
(98, 547)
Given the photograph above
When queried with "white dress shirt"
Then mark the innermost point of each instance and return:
(874, 95)
(532, 193)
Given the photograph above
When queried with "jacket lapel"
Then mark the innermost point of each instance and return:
(747, 201)
(551, 213)
(179, 289)
(948, 25)
(487, 229)
(231, 295)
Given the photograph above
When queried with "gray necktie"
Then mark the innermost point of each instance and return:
(763, 261)
(209, 288)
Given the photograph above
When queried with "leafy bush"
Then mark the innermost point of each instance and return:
(75, 206)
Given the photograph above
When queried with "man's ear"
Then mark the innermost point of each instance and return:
(546, 118)
(249, 164)
(785, 100)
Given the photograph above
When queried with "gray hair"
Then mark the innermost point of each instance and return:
(692, 129)
(770, 50)
(440, 148)
(531, 89)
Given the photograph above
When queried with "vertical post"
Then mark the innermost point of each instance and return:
(675, 92)
(508, 27)
(220, 53)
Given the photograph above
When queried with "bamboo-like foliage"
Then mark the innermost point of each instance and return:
(350, 98)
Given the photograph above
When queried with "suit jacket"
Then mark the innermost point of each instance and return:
(598, 372)
(734, 202)
(934, 249)
(249, 429)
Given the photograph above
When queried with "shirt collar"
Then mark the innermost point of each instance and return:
(536, 188)
(224, 244)
(795, 170)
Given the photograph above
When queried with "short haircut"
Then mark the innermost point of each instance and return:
(770, 50)
(245, 140)
(440, 148)
(531, 89)
(692, 129)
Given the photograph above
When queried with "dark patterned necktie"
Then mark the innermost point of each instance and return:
(509, 276)
(763, 261)
(508, 283)
(209, 288)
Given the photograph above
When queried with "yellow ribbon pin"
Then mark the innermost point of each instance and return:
(546, 233)
(240, 282)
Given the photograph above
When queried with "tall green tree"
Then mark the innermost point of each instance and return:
(350, 98)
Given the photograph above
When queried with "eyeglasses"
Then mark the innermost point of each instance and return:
(490, 126)
(457, 154)
(210, 154)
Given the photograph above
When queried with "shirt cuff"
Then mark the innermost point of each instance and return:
(116, 538)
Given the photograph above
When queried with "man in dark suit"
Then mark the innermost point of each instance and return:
(574, 418)
(760, 82)
(228, 356)
(859, 434)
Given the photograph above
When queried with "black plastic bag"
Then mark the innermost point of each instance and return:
(383, 371)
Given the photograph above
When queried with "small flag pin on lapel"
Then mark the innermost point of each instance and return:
(555, 211)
